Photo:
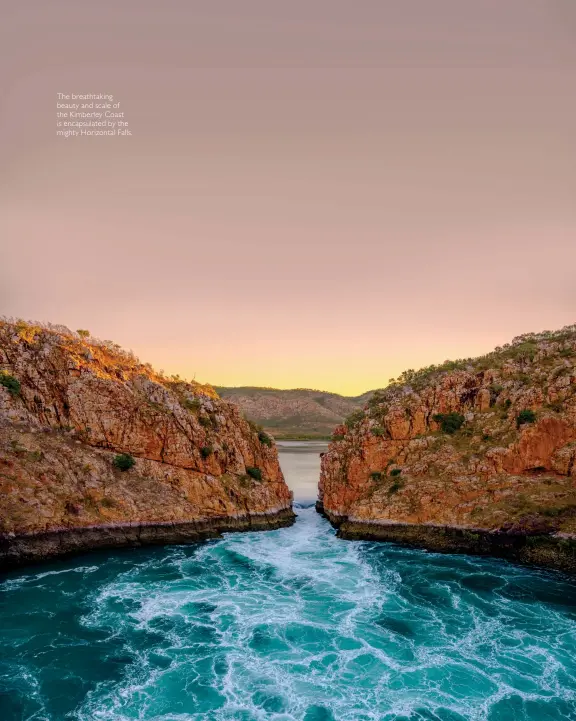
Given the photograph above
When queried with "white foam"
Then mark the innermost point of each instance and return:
(295, 613)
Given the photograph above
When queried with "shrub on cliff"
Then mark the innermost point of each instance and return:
(395, 471)
(123, 461)
(83, 333)
(449, 422)
(254, 473)
(264, 438)
(10, 383)
(526, 416)
(354, 418)
(192, 404)
(395, 487)
(206, 451)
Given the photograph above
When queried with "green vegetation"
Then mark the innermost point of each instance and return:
(254, 427)
(495, 390)
(254, 473)
(449, 422)
(206, 451)
(124, 461)
(526, 416)
(83, 333)
(337, 436)
(376, 475)
(395, 487)
(522, 348)
(264, 438)
(205, 421)
(395, 471)
(354, 418)
(377, 431)
(192, 404)
(10, 383)
(566, 509)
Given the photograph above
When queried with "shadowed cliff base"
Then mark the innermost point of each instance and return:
(36, 547)
(553, 551)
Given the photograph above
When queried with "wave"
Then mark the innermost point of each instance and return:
(289, 625)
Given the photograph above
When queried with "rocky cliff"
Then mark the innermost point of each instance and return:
(97, 449)
(475, 455)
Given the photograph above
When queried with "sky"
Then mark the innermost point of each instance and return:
(315, 194)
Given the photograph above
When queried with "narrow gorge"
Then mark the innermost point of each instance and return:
(100, 453)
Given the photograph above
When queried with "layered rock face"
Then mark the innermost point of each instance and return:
(475, 455)
(69, 406)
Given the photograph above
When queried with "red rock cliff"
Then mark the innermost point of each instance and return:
(70, 405)
(488, 443)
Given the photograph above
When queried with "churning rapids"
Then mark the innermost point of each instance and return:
(286, 625)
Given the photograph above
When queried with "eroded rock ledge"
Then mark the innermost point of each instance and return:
(556, 551)
(18, 550)
(475, 456)
(70, 406)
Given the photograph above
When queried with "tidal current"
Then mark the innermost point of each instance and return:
(287, 625)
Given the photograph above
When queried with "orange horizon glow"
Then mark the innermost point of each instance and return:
(315, 194)
(306, 372)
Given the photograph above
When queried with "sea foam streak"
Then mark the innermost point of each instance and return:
(290, 625)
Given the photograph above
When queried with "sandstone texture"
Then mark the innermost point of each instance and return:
(69, 405)
(466, 455)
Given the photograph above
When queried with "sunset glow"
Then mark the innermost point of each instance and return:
(284, 223)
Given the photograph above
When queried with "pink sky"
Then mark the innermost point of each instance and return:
(315, 194)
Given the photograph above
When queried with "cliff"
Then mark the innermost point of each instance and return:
(295, 413)
(476, 455)
(97, 449)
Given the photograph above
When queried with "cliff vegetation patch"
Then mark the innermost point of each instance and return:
(449, 422)
(11, 384)
(124, 461)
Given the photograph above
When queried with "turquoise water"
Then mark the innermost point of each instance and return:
(286, 625)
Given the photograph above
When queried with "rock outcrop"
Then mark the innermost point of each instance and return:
(474, 455)
(75, 411)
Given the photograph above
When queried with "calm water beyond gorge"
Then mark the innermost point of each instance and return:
(287, 625)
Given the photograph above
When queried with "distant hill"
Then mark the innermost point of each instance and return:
(297, 413)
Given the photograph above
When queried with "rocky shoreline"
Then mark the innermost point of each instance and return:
(555, 551)
(476, 455)
(23, 549)
(98, 450)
